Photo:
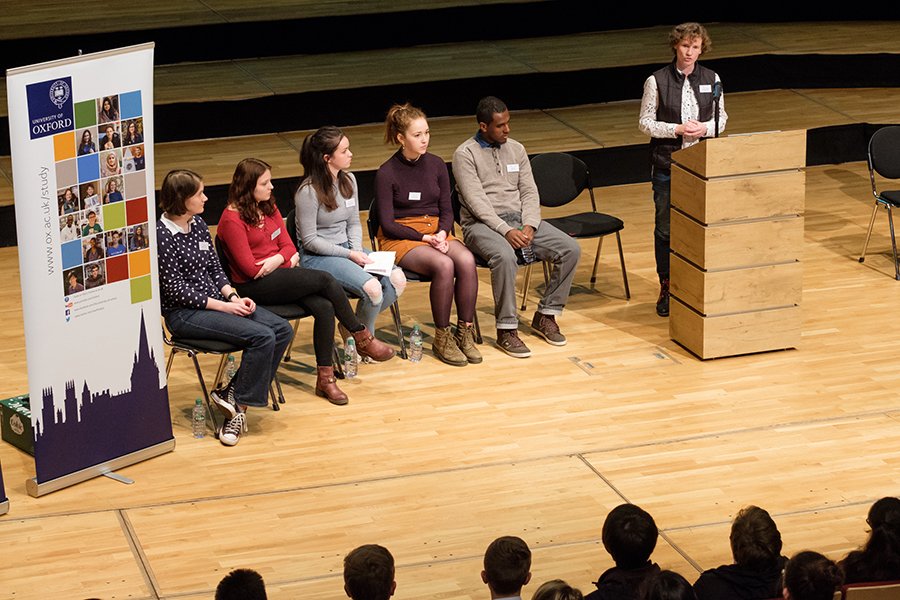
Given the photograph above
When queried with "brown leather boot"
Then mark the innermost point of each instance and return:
(369, 345)
(326, 386)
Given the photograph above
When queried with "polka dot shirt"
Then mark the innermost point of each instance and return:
(189, 269)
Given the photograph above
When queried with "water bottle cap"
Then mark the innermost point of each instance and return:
(416, 327)
(197, 401)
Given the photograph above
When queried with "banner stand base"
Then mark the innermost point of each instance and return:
(36, 489)
(4, 507)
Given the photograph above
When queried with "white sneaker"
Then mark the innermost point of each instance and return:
(230, 433)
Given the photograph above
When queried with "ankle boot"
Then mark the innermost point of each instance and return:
(326, 386)
(445, 349)
(465, 341)
(369, 345)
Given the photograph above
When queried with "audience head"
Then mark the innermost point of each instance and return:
(755, 539)
(629, 535)
(399, 117)
(493, 120)
(369, 573)
(557, 589)
(177, 187)
(690, 31)
(810, 576)
(488, 107)
(507, 566)
(885, 512)
(241, 584)
(669, 585)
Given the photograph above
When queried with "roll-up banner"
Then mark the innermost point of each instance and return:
(81, 133)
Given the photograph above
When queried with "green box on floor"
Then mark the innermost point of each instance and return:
(16, 423)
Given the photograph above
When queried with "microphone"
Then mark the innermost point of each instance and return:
(717, 93)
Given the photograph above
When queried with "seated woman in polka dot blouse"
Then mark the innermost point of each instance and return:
(198, 302)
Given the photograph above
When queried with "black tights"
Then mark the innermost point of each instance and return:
(452, 275)
(317, 292)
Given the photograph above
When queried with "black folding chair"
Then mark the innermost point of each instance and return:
(884, 159)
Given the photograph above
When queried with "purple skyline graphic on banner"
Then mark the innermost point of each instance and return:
(103, 426)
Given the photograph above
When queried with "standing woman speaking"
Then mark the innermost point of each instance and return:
(264, 264)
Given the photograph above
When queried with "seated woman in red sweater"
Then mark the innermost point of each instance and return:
(264, 265)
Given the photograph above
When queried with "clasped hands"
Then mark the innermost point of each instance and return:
(438, 241)
(519, 238)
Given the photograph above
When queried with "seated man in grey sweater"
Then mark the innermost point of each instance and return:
(501, 217)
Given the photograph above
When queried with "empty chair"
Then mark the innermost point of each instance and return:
(884, 159)
(560, 179)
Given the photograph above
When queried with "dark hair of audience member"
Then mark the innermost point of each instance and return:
(317, 148)
(487, 108)
(240, 192)
(507, 565)
(178, 186)
(369, 573)
(879, 557)
(241, 584)
(557, 589)
(809, 575)
(755, 539)
(629, 535)
(669, 585)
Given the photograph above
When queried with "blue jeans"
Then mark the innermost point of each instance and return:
(263, 337)
(661, 180)
(352, 278)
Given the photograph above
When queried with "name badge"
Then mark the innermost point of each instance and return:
(415, 195)
(705, 89)
(512, 168)
(204, 246)
(276, 233)
(350, 202)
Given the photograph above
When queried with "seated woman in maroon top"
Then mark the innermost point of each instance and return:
(264, 264)
(412, 192)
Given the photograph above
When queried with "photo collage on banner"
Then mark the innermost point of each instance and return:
(102, 197)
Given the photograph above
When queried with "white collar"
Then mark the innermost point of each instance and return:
(174, 227)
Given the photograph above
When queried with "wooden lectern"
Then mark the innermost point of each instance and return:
(736, 240)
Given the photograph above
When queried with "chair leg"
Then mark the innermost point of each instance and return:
(171, 358)
(862, 257)
(893, 243)
(395, 314)
(287, 353)
(526, 283)
(220, 371)
(622, 261)
(478, 338)
(597, 260)
(338, 362)
(210, 410)
(280, 392)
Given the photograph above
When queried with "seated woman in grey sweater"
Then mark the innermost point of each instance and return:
(328, 226)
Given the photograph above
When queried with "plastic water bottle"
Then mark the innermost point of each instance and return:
(350, 358)
(525, 255)
(198, 419)
(415, 345)
(230, 369)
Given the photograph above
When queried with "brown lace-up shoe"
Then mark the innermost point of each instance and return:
(508, 341)
(546, 327)
(465, 341)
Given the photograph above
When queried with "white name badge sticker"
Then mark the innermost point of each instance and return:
(350, 202)
(204, 246)
(705, 89)
(415, 195)
(512, 168)
(276, 233)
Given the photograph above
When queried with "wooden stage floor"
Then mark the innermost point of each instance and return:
(434, 461)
